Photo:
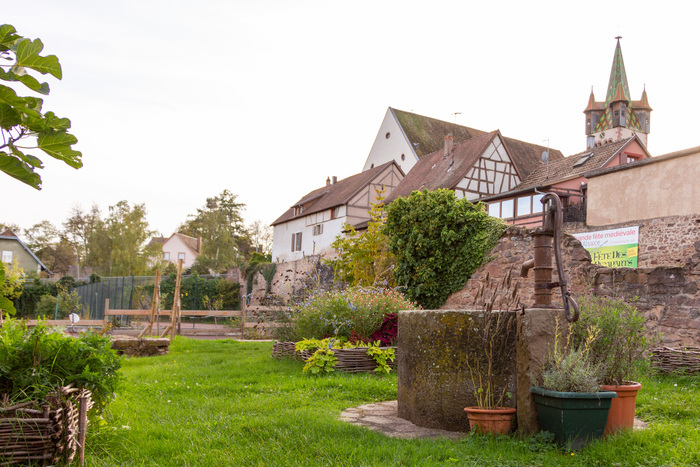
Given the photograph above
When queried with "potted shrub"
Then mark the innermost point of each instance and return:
(569, 401)
(490, 353)
(618, 347)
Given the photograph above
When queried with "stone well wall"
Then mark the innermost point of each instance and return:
(434, 384)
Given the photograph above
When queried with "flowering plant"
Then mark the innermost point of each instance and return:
(356, 314)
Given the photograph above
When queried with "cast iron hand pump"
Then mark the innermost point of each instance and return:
(542, 262)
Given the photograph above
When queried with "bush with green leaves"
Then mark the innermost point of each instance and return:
(353, 314)
(35, 361)
(622, 341)
(438, 242)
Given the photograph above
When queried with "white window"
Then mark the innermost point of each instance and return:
(181, 256)
(507, 208)
(524, 205)
(296, 241)
(166, 256)
(495, 209)
(529, 205)
(318, 229)
(6, 256)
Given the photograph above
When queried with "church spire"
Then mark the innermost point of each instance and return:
(618, 117)
(618, 77)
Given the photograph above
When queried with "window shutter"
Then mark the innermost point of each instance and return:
(299, 241)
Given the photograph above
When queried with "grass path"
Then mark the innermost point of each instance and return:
(227, 403)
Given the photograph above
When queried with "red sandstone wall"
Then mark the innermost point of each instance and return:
(667, 294)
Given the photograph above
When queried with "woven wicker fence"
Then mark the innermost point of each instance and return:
(676, 360)
(45, 434)
(350, 360)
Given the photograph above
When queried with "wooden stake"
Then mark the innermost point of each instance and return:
(155, 304)
(176, 300)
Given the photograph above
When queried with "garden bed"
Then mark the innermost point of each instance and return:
(45, 433)
(350, 360)
(676, 360)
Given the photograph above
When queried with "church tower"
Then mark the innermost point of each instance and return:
(619, 117)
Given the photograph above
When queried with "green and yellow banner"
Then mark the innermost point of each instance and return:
(615, 248)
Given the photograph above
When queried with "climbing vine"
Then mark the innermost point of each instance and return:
(438, 242)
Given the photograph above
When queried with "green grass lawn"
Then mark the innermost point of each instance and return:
(226, 402)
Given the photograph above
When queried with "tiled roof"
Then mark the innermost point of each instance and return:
(564, 168)
(429, 134)
(333, 195)
(439, 171)
(426, 134)
(190, 242)
(527, 156)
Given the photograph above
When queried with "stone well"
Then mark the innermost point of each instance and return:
(434, 385)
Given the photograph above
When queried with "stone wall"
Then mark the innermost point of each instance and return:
(668, 294)
(291, 278)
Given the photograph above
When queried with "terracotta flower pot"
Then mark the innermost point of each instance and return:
(621, 414)
(495, 421)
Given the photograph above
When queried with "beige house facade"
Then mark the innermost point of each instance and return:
(662, 186)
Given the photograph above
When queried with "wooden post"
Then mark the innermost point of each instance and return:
(82, 428)
(155, 304)
(176, 301)
(106, 317)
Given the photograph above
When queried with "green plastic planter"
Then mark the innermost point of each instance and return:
(575, 418)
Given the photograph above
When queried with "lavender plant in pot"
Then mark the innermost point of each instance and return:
(568, 398)
(620, 345)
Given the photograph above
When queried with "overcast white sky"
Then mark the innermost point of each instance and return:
(174, 101)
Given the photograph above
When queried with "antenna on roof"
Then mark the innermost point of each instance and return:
(455, 114)
(545, 157)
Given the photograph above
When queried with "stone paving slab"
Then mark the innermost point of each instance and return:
(383, 417)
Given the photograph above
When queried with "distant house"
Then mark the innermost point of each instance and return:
(311, 225)
(180, 246)
(13, 249)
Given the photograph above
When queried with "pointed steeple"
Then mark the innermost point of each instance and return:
(618, 77)
(619, 116)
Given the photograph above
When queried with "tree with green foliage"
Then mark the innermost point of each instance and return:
(22, 124)
(51, 246)
(363, 259)
(117, 244)
(438, 241)
(11, 278)
(220, 224)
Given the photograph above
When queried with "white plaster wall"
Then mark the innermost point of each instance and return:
(310, 244)
(384, 150)
(175, 245)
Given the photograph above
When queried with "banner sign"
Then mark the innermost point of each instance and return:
(616, 248)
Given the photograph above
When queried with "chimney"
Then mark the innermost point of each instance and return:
(328, 181)
(449, 144)
(334, 180)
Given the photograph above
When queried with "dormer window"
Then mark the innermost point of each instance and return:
(583, 159)
(298, 210)
(631, 158)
